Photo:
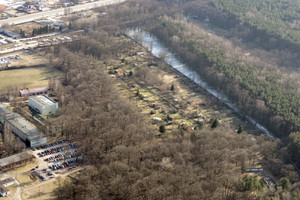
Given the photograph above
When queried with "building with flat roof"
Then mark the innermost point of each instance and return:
(21, 127)
(5, 183)
(33, 91)
(43, 104)
(15, 160)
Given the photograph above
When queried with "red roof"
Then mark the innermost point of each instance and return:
(33, 91)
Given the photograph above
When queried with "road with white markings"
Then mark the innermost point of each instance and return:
(58, 12)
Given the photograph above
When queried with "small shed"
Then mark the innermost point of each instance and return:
(7, 182)
(4, 191)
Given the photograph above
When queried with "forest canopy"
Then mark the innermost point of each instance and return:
(279, 18)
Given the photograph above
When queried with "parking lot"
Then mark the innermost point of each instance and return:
(55, 158)
(6, 60)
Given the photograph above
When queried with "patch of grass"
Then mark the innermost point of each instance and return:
(27, 180)
(43, 192)
(28, 77)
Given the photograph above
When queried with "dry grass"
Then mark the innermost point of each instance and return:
(12, 189)
(28, 59)
(45, 191)
(27, 180)
(28, 77)
(27, 27)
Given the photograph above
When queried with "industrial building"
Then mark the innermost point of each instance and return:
(43, 104)
(33, 91)
(21, 127)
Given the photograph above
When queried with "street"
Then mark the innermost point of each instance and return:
(57, 12)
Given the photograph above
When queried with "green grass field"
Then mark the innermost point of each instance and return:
(28, 77)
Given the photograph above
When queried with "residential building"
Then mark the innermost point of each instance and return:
(15, 160)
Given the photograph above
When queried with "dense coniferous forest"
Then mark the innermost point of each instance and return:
(259, 89)
(273, 25)
(126, 161)
(278, 18)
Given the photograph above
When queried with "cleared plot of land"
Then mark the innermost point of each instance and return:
(28, 77)
(26, 27)
(27, 180)
(26, 59)
(44, 191)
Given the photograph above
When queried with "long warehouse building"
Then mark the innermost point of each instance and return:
(21, 127)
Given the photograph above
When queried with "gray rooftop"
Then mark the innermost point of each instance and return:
(15, 158)
(24, 126)
(20, 123)
(3, 189)
(7, 180)
(42, 100)
(4, 109)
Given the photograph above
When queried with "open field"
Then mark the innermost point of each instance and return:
(45, 191)
(27, 180)
(26, 59)
(28, 77)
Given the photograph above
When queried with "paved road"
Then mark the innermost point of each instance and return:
(58, 12)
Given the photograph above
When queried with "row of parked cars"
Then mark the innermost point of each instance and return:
(65, 157)
(60, 155)
(55, 150)
(50, 145)
(5, 60)
(51, 151)
(63, 165)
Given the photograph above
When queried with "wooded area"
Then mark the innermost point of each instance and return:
(271, 25)
(259, 89)
(127, 161)
(130, 164)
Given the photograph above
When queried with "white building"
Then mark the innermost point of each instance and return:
(4, 192)
(43, 104)
(5, 183)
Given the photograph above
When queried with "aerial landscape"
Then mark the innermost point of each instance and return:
(149, 99)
